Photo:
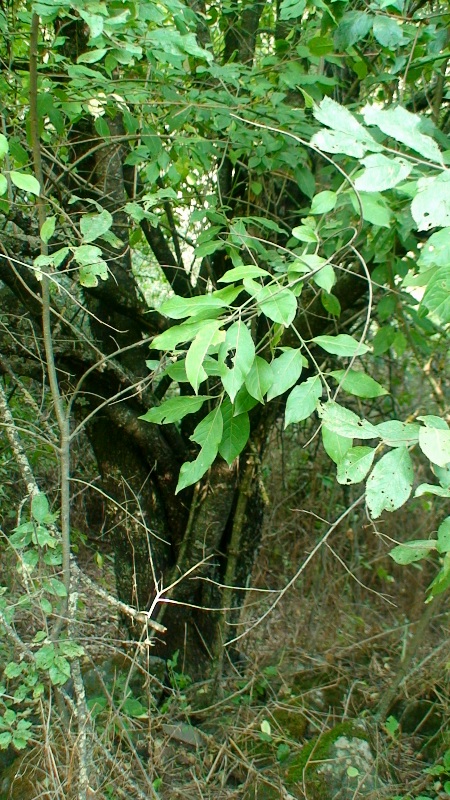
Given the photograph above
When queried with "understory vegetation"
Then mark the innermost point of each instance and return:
(224, 399)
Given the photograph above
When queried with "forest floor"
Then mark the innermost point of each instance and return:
(320, 647)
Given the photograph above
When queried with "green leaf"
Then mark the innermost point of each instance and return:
(180, 307)
(404, 127)
(92, 226)
(185, 332)
(70, 649)
(259, 379)
(398, 434)
(432, 421)
(345, 422)
(443, 541)
(305, 234)
(59, 672)
(134, 708)
(323, 202)
(279, 304)
(390, 482)
(388, 32)
(246, 271)
(28, 183)
(55, 587)
(90, 273)
(244, 401)
(48, 229)
(236, 431)
(336, 446)
(383, 340)
(354, 26)
(208, 434)
(440, 584)
(331, 304)
(291, 9)
(374, 209)
(238, 346)
(45, 656)
(338, 142)
(382, 173)
(358, 383)
(92, 56)
(437, 295)
(303, 400)
(435, 444)
(40, 507)
(430, 207)
(341, 345)
(207, 336)
(355, 465)
(93, 21)
(174, 409)
(3, 185)
(436, 251)
(341, 120)
(5, 740)
(286, 370)
(102, 128)
(413, 551)
(325, 278)
(3, 146)
(429, 488)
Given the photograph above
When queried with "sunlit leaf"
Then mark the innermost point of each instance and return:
(355, 465)
(174, 409)
(239, 349)
(341, 345)
(303, 400)
(28, 183)
(413, 551)
(358, 383)
(205, 338)
(345, 422)
(404, 127)
(390, 482)
(335, 446)
(286, 370)
(382, 173)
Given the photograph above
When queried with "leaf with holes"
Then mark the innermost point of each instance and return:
(345, 422)
(355, 465)
(239, 349)
(390, 482)
(92, 226)
(382, 173)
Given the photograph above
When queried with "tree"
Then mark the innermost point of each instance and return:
(274, 171)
